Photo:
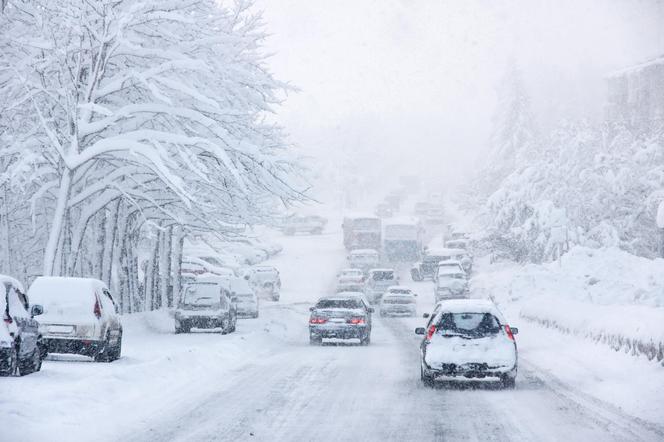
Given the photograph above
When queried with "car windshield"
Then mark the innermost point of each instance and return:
(470, 324)
(339, 303)
(451, 276)
(202, 295)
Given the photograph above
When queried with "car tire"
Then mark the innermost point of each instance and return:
(32, 365)
(116, 352)
(102, 353)
(11, 369)
(508, 382)
(234, 327)
(415, 275)
(365, 340)
(315, 340)
(427, 380)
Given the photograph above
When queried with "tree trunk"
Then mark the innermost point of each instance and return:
(176, 265)
(166, 281)
(109, 247)
(51, 251)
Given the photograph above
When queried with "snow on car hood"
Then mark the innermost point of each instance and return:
(451, 283)
(495, 351)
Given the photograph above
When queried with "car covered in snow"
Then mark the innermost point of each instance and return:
(426, 268)
(468, 339)
(205, 305)
(245, 298)
(80, 317)
(363, 259)
(266, 281)
(313, 225)
(350, 276)
(450, 283)
(377, 282)
(340, 317)
(398, 301)
(350, 286)
(20, 341)
(449, 264)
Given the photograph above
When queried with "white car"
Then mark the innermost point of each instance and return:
(350, 275)
(451, 283)
(377, 282)
(266, 281)
(398, 301)
(244, 297)
(80, 316)
(205, 305)
(468, 339)
(364, 259)
(450, 264)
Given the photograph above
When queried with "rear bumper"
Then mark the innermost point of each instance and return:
(339, 331)
(398, 312)
(477, 370)
(247, 312)
(83, 347)
(201, 321)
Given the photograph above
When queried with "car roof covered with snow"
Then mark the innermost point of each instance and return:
(63, 287)
(469, 306)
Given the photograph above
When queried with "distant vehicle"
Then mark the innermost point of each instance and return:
(468, 339)
(402, 240)
(457, 244)
(21, 344)
(340, 317)
(363, 259)
(450, 264)
(350, 275)
(450, 284)
(421, 208)
(245, 298)
(448, 254)
(393, 200)
(205, 305)
(80, 316)
(267, 281)
(313, 225)
(428, 266)
(398, 301)
(377, 282)
(362, 232)
(356, 287)
(383, 210)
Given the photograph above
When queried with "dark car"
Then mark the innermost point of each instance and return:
(340, 317)
(205, 305)
(20, 342)
(426, 268)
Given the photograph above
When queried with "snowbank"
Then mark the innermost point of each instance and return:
(606, 295)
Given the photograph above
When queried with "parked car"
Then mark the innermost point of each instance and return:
(245, 297)
(468, 339)
(313, 225)
(79, 316)
(363, 259)
(205, 305)
(450, 284)
(340, 317)
(398, 301)
(377, 282)
(21, 346)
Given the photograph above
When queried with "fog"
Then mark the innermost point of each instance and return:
(388, 86)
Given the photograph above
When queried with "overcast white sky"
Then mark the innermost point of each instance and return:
(413, 81)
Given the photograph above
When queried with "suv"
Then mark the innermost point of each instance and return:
(20, 342)
(450, 284)
(266, 281)
(205, 305)
(341, 317)
(468, 339)
(80, 317)
(377, 283)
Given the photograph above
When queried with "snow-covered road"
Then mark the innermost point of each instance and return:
(267, 383)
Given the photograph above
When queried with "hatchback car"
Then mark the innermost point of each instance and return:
(340, 317)
(80, 317)
(377, 282)
(20, 342)
(398, 301)
(205, 305)
(244, 297)
(468, 339)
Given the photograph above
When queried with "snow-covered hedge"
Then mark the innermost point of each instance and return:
(606, 295)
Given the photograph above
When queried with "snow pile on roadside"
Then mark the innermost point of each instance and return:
(606, 295)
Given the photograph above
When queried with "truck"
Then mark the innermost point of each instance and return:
(362, 232)
(402, 240)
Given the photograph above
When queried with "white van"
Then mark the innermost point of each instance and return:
(80, 317)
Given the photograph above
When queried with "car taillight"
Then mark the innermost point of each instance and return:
(356, 320)
(508, 331)
(431, 331)
(316, 320)
(97, 309)
(8, 320)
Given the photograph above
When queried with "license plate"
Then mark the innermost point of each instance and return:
(61, 329)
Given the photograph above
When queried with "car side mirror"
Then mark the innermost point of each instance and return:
(311, 309)
(371, 309)
(420, 331)
(36, 310)
(515, 331)
(426, 315)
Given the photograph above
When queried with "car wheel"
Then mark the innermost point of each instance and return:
(427, 379)
(365, 340)
(13, 362)
(234, 327)
(31, 365)
(415, 275)
(116, 352)
(508, 382)
(315, 340)
(102, 353)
